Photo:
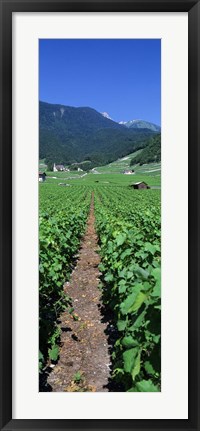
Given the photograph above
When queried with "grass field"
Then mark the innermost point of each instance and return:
(110, 174)
(119, 180)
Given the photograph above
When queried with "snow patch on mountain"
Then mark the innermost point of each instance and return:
(106, 115)
(62, 112)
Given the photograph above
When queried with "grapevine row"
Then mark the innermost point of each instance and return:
(128, 226)
(62, 220)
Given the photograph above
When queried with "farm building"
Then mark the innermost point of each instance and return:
(42, 176)
(128, 172)
(57, 168)
(140, 185)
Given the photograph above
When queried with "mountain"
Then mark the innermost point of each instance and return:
(68, 135)
(151, 153)
(141, 124)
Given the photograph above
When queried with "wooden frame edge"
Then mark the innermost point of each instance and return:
(6, 9)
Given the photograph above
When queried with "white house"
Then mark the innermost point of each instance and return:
(57, 168)
(128, 172)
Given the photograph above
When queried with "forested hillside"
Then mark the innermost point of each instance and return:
(69, 135)
(151, 153)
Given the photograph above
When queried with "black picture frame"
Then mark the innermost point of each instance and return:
(7, 7)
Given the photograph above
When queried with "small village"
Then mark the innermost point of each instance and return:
(79, 173)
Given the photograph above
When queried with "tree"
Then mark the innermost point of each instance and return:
(50, 166)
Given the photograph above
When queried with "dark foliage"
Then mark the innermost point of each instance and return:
(151, 153)
(69, 135)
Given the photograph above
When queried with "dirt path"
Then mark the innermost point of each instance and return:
(84, 363)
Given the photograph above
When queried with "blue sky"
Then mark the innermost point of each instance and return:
(118, 76)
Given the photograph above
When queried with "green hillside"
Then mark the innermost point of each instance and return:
(151, 153)
(69, 135)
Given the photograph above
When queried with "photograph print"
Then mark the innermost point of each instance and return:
(99, 215)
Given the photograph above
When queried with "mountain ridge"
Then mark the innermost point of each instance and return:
(73, 134)
(141, 124)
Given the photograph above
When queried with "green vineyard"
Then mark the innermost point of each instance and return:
(61, 225)
(128, 225)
